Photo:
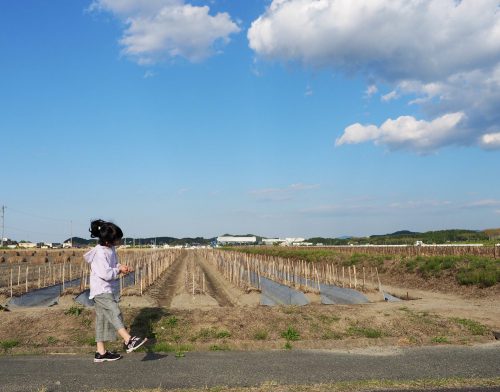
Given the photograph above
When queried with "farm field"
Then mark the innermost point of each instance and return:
(202, 301)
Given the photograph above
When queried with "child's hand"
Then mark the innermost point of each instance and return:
(124, 269)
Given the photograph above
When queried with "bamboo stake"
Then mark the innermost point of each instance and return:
(11, 283)
(141, 278)
(27, 272)
(378, 278)
(355, 277)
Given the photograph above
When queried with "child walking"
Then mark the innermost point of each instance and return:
(105, 290)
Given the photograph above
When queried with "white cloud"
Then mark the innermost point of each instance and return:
(159, 30)
(371, 90)
(405, 132)
(394, 38)
(390, 96)
(443, 54)
(281, 194)
(490, 141)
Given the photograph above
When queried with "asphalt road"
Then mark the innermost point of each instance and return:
(79, 373)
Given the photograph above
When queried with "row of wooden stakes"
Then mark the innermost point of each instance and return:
(245, 271)
(147, 266)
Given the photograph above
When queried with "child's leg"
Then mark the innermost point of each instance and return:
(100, 327)
(124, 334)
(100, 348)
(113, 320)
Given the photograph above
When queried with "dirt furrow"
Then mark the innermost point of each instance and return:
(165, 290)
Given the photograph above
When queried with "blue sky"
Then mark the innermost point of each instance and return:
(284, 118)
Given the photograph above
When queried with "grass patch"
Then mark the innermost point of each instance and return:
(86, 340)
(171, 321)
(260, 335)
(206, 334)
(7, 345)
(331, 335)
(474, 327)
(222, 334)
(371, 333)
(479, 271)
(440, 339)
(74, 311)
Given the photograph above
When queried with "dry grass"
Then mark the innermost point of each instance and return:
(260, 328)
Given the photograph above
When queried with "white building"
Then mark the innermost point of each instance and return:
(230, 240)
(272, 241)
(27, 245)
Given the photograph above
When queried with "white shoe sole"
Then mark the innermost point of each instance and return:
(106, 360)
(129, 350)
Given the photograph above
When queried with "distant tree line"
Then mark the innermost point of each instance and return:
(409, 238)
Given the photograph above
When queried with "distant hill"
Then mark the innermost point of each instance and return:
(406, 237)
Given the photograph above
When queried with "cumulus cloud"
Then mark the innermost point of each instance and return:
(443, 54)
(158, 30)
(406, 132)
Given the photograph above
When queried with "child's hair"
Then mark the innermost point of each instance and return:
(107, 232)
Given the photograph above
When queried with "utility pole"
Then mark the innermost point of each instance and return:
(3, 223)
(71, 239)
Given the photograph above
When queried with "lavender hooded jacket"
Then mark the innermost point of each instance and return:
(104, 270)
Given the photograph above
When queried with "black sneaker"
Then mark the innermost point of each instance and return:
(107, 356)
(134, 343)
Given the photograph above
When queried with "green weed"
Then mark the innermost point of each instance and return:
(291, 334)
(74, 311)
(171, 321)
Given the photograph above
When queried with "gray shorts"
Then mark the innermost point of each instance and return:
(108, 317)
